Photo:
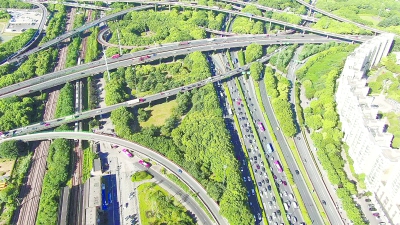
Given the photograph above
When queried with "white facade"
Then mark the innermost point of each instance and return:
(365, 134)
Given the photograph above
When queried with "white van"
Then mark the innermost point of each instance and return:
(286, 205)
(295, 205)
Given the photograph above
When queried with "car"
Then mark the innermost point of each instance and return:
(248, 178)
(248, 193)
(284, 183)
(42, 123)
(259, 216)
(255, 157)
(288, 217)
(127, 153)
(255, 170)
(250, 203)
(179, 171)
(294, 219)
(47, 124)
(324, 202)
(274, 176)
(126, 205)
(267, 180)
(263, 181)
(375, 214)
(270, 218)
(241, 168)
(244, 178)
(258, 166)
(297, 172)
(291, 196)
(145, 164)
(259, 184)
(285, 193)
(273, 198)
(252, 192)
(371, 205)
(278, 212)
(269, 188)
(368, 200)
(372, 209)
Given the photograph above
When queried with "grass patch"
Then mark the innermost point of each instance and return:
(158, 207)
(394, 128)
(371, 18)
(159, 113)
(88, 157)
(141, 175)
(324, 66)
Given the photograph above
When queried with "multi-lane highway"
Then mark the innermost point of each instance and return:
(76, 31)
(164, 51)
(36, 35)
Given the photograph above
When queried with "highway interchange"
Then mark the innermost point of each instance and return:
(166, 51)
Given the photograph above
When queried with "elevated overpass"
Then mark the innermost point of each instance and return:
(147, 55)
(76, 31)
(35, 36)
(78, 5)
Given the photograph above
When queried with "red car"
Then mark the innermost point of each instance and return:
(47, 124)
(127, 153)
(284, 183)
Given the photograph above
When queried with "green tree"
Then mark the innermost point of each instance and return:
(253, 52)
(256, 69)
(9, 150)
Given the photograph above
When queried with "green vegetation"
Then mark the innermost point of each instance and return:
(256, 68)
(159, 114)
(281, 60)
(253, 52)
(11, 192)
(4, 16)
(394, 128)
(143, 28)
(359, 177)
(384, 14)
(92, 45)
(19, 112)
(141, 175)
(14, 4)
(88, 157)
(56, 177)
(74, 46)
(194, 136)
(334, 26)
(16, 43)
(312, 49)
(323, 120)
(65, 104)
(319, 65)
(287, 17)
(11, 149)
(158, 207)
(278, 88)
(241, 58)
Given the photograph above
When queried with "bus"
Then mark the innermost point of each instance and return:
(278, 166)
(270, 149)
(261, 126)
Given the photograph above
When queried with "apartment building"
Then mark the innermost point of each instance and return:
(365, 133)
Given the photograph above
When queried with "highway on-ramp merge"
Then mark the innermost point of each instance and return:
(171, 166)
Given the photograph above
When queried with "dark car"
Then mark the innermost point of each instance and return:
(255, 157)
(324, 202)
(258, 166)
(42, 123)
(278, 212)
(269, 188)
(284, 183)
(367, 200)
(372, 209)
(297, 172)
(259, 184)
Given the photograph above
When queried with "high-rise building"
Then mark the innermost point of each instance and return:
(364, 132)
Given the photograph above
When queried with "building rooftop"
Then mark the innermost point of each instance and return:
(94, 192)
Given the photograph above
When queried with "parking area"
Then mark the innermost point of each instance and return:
(22, 20)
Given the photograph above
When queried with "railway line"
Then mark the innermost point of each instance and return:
(31, 190)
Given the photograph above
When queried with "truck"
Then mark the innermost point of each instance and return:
(183, 43)
(270, 149)
(249, 14)
(133, 101)
(116, 56)
(142, 58)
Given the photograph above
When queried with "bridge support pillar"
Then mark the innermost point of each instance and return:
(155, 7)
(169, 8)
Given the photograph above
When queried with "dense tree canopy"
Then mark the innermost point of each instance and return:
(16, 43)
(253, 52)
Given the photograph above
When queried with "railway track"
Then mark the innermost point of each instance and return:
(76, 203)
(26, 212)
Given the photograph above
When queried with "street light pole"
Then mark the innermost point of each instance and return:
(105, 58)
